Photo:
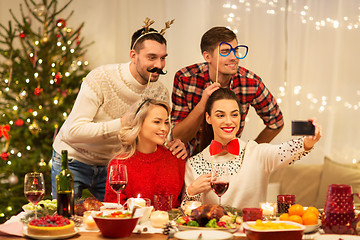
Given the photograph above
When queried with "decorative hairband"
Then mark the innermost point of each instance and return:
(148, 22)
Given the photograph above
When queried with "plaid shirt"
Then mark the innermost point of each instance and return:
(190, 82)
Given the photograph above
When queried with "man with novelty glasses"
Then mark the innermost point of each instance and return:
(195, 83)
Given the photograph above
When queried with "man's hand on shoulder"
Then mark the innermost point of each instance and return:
(177, 147)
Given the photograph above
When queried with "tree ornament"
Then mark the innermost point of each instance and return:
(42, 163)
(61, 23)
(22, 35)
(23, 94)
(40, 10)
(5, 156)
(19, 122)
(58, 78)
(44, 39)
(4, 131)
(13, 179)
(38, 91)
(34, 128)
(27, 20)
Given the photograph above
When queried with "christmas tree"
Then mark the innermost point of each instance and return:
(41, 69)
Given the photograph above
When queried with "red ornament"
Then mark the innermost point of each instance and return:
(58, 78)
(5, 155)
(38, 91)
(61, 23)
(22, 35)
(57, 35)
(19, 122)
(30, 110)
(4, 131)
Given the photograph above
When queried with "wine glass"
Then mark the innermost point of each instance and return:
(118, 179)
(219, 180)
(34, 188)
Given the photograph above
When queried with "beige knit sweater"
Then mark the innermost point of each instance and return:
(106, 94)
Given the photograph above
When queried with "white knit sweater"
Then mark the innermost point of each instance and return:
(249, 174)
(106, 94)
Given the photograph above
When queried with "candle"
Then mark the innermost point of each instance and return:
(269, 209)
(88, 221)
(190, 205)
(140, 202)
(158, 219)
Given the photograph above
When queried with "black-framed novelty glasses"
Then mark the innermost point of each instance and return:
(240, 51)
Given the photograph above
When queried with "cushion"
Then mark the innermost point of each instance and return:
(301, 180)
(338, 173)
(272, 191)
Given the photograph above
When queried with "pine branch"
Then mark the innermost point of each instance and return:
(12, 14)
(56, 13)
(32, 12)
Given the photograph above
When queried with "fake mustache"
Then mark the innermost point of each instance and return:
(157, 70)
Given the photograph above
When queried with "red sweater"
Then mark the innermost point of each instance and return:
(150, 174)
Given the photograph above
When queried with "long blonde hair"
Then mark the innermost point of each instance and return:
(131, 127)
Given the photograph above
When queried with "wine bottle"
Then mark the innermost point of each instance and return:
(65, 188)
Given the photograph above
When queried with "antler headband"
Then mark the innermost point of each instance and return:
(148, 22)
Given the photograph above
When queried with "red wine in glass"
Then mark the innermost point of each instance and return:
(34, 188)
(219, 187)
(118, 186)
(219, 180)
(118, 179)
(34, 196)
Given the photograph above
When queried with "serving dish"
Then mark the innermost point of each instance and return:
(312, 228)
(64, 236)
(205, 234)
(186, 228)
(274, 234)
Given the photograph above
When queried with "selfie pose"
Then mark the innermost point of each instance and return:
(248, 164)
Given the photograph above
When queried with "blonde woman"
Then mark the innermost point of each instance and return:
(151, 167)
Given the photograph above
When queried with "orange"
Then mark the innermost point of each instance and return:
(310, 218)
(313, 210)
(284, 217)
(296, 209)
(296, 218)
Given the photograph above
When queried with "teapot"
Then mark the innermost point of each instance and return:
(338, 216)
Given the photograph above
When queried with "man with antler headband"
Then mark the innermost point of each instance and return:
(90, 132)
(220, 49)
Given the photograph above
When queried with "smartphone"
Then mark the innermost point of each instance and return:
(302, 128)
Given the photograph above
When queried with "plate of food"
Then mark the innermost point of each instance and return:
(208, 234)
(209, 217)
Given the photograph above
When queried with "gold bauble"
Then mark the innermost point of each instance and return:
(34, 128)
(44, 39)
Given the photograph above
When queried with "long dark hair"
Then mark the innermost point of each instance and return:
(207, 133)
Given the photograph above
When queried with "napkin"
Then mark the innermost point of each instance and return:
(13, 229)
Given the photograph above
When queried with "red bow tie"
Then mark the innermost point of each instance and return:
(232, 147)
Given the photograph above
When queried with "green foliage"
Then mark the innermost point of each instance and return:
(41, 70)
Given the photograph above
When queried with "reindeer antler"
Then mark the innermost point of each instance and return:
(148, 22)
(167, 25)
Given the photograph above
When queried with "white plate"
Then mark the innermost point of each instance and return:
(312, 228)
(336, 237)
(110, 205)
(50, 237)
(185, 228)
(206, 235)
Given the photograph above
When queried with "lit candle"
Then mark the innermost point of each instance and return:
(269, 209)
(89, 222)
(140, 202)
(158, 219)
(190, 205)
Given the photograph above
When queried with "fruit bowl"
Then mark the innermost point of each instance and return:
(312, 228)
(115, 227)
(274, 234)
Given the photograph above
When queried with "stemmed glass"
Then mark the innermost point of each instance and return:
(34, 188)
(219, 180)
(118, 179)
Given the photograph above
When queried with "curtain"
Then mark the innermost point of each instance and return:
(306, 52)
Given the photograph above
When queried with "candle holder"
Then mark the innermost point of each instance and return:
(252, 214)
(88, 221)
(269, 210)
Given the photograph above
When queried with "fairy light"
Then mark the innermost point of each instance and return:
(67, 74)
(28, 120)
(35, 113)
(27, 80)
(56, 101)
(64, 114)
(8, 162)
(37, 42)
(36, 75)
(58, 44)
(69, 42)
(40, 61)
(72, 50)
(15, 108)
(7, 89)
(51, 81)
(28, 148)
(53, 65)
(12, 151)
(79, 63)
(6, 80)
(19, 154)
(63, 48)
(11, 122)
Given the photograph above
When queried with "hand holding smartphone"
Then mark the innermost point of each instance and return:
(302, 128)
